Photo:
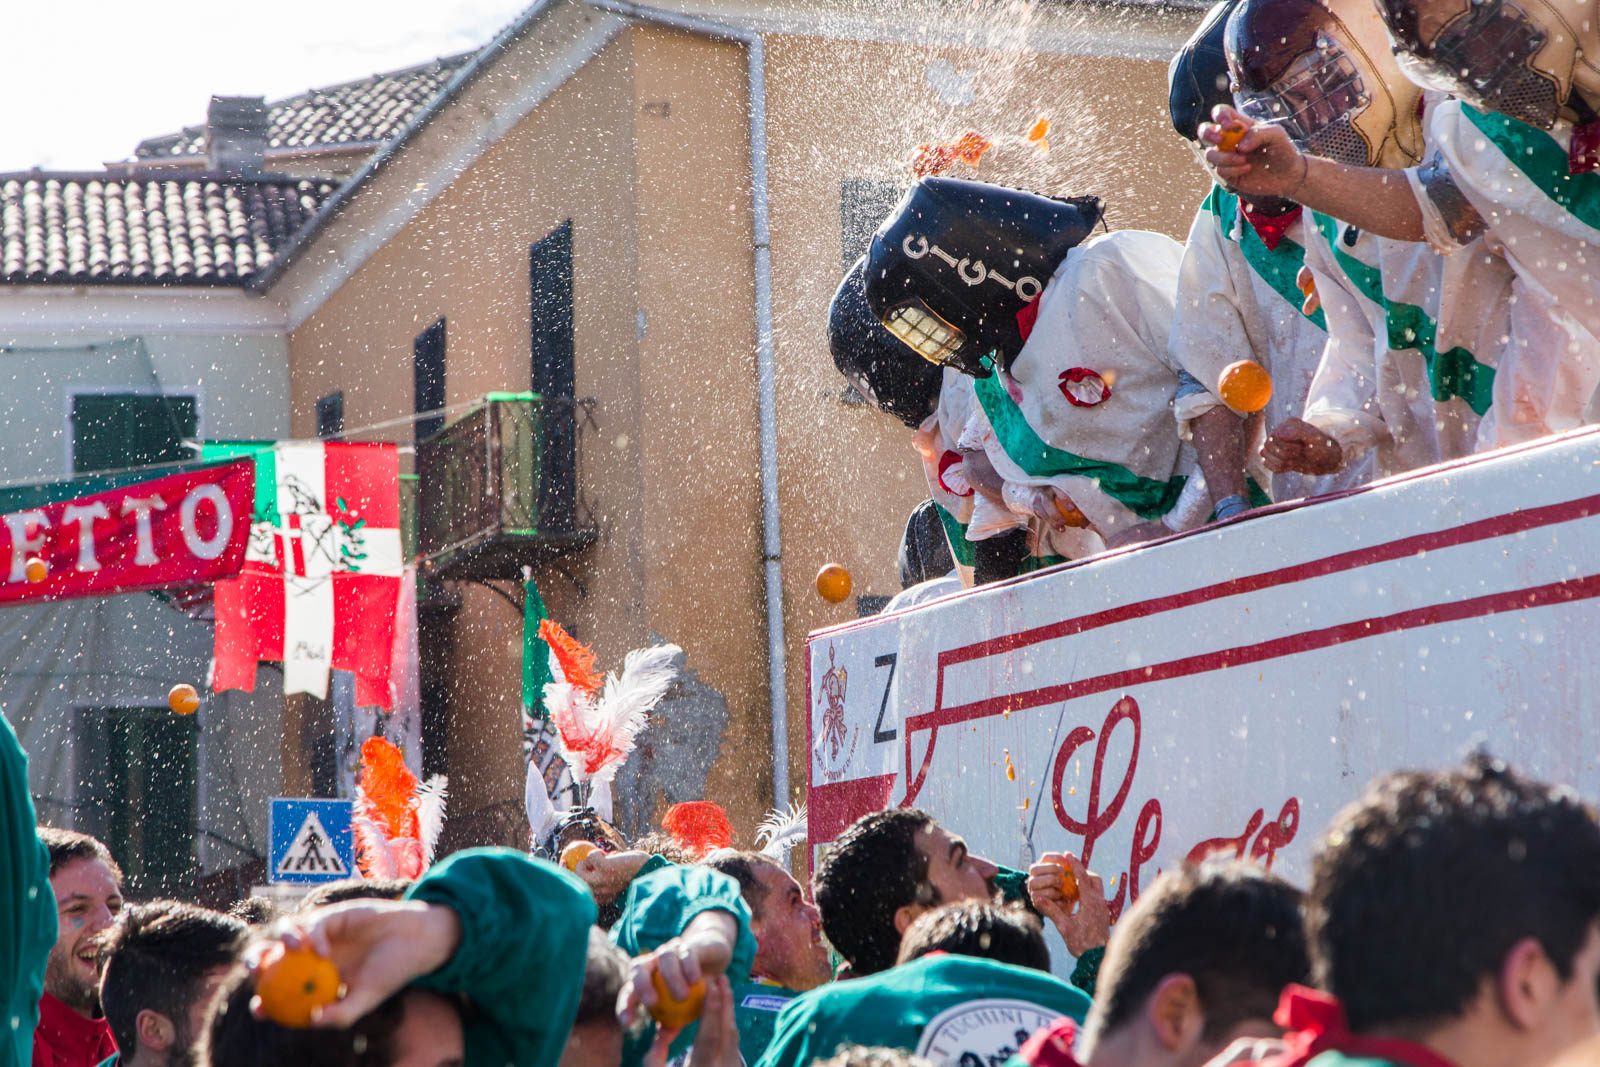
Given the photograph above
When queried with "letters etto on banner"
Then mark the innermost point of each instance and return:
(190, 526)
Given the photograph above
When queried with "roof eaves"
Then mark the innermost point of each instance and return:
(464, 77)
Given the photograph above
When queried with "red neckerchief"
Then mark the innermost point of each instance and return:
(1314, 1023)
(1270, 227)
(1051, 1046)
(1027, 317)
(66, 1039)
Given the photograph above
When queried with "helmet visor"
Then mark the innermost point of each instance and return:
(1316, 102)
(1485, 56)
(927, 334)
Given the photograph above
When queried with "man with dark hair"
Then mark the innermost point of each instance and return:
(1452, 916)
(1007, 933)
(165, 962)
(886, 869)
(1197, 962)
(87, 884)
(790, 956)
(889, 867)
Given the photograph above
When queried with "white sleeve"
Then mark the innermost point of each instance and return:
(1208, 329)
(1193, 506)
(1343, 401)
(1449, 221)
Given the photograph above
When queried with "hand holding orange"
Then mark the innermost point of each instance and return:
(672, 1013)
(1069, 884)
(576, 852)
(293, 983)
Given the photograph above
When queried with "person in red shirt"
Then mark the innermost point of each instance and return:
(88, 888)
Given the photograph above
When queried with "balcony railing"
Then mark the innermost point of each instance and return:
(498, 489)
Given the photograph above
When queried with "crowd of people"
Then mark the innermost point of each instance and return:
(1402, 236)
(1452, 919)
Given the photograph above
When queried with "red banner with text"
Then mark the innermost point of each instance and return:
(186, 527)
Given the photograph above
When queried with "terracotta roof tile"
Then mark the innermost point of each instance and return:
(367, 111)
(92, 229)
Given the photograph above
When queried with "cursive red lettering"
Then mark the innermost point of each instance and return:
(1224, 844)
(1097, 819)
(1277, 833)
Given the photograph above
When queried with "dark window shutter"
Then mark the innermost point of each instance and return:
(330, 415)
(111, 431)
(550, 277)
(427, 367)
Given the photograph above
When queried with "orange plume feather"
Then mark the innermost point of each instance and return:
(576, 660)
(388, 790)
(700, 826)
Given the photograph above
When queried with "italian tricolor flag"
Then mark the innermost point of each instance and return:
(322, 572)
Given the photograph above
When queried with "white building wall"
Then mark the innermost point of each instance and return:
(128, 651)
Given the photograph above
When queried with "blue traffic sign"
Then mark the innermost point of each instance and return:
(311, 841)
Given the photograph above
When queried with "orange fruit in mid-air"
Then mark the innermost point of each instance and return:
(183, 699)
(833, 583)
(36, 569)
(676, 1014)
(575, 852)
(1245, 386)
(292, 982)
(1231, 136)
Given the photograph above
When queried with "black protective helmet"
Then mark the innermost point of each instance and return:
(1197, 77)
(893, 380)
(948, 271)
(924, 547)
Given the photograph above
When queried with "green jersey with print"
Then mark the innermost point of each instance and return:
(945, 1008)
(755, 1012)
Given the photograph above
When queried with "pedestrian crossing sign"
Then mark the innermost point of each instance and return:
(311, 841)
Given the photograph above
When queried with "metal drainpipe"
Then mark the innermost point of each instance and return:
(766, 379)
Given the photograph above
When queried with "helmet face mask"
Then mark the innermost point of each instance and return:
(1487, 54)
(1326, 74)
(1315, 102)
(928, 335)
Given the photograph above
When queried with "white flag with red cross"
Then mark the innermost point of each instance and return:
(322, 573)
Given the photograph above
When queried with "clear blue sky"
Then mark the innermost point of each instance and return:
(86, 80)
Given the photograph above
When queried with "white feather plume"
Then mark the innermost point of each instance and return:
(431, 797)
(598, 735)
(780, 831)
(372, 845)
(536, 801)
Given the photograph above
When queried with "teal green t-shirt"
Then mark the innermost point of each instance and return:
(27, 906)
(524, 946)
(755, 1012)
(659, 906)
(942, 1007)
